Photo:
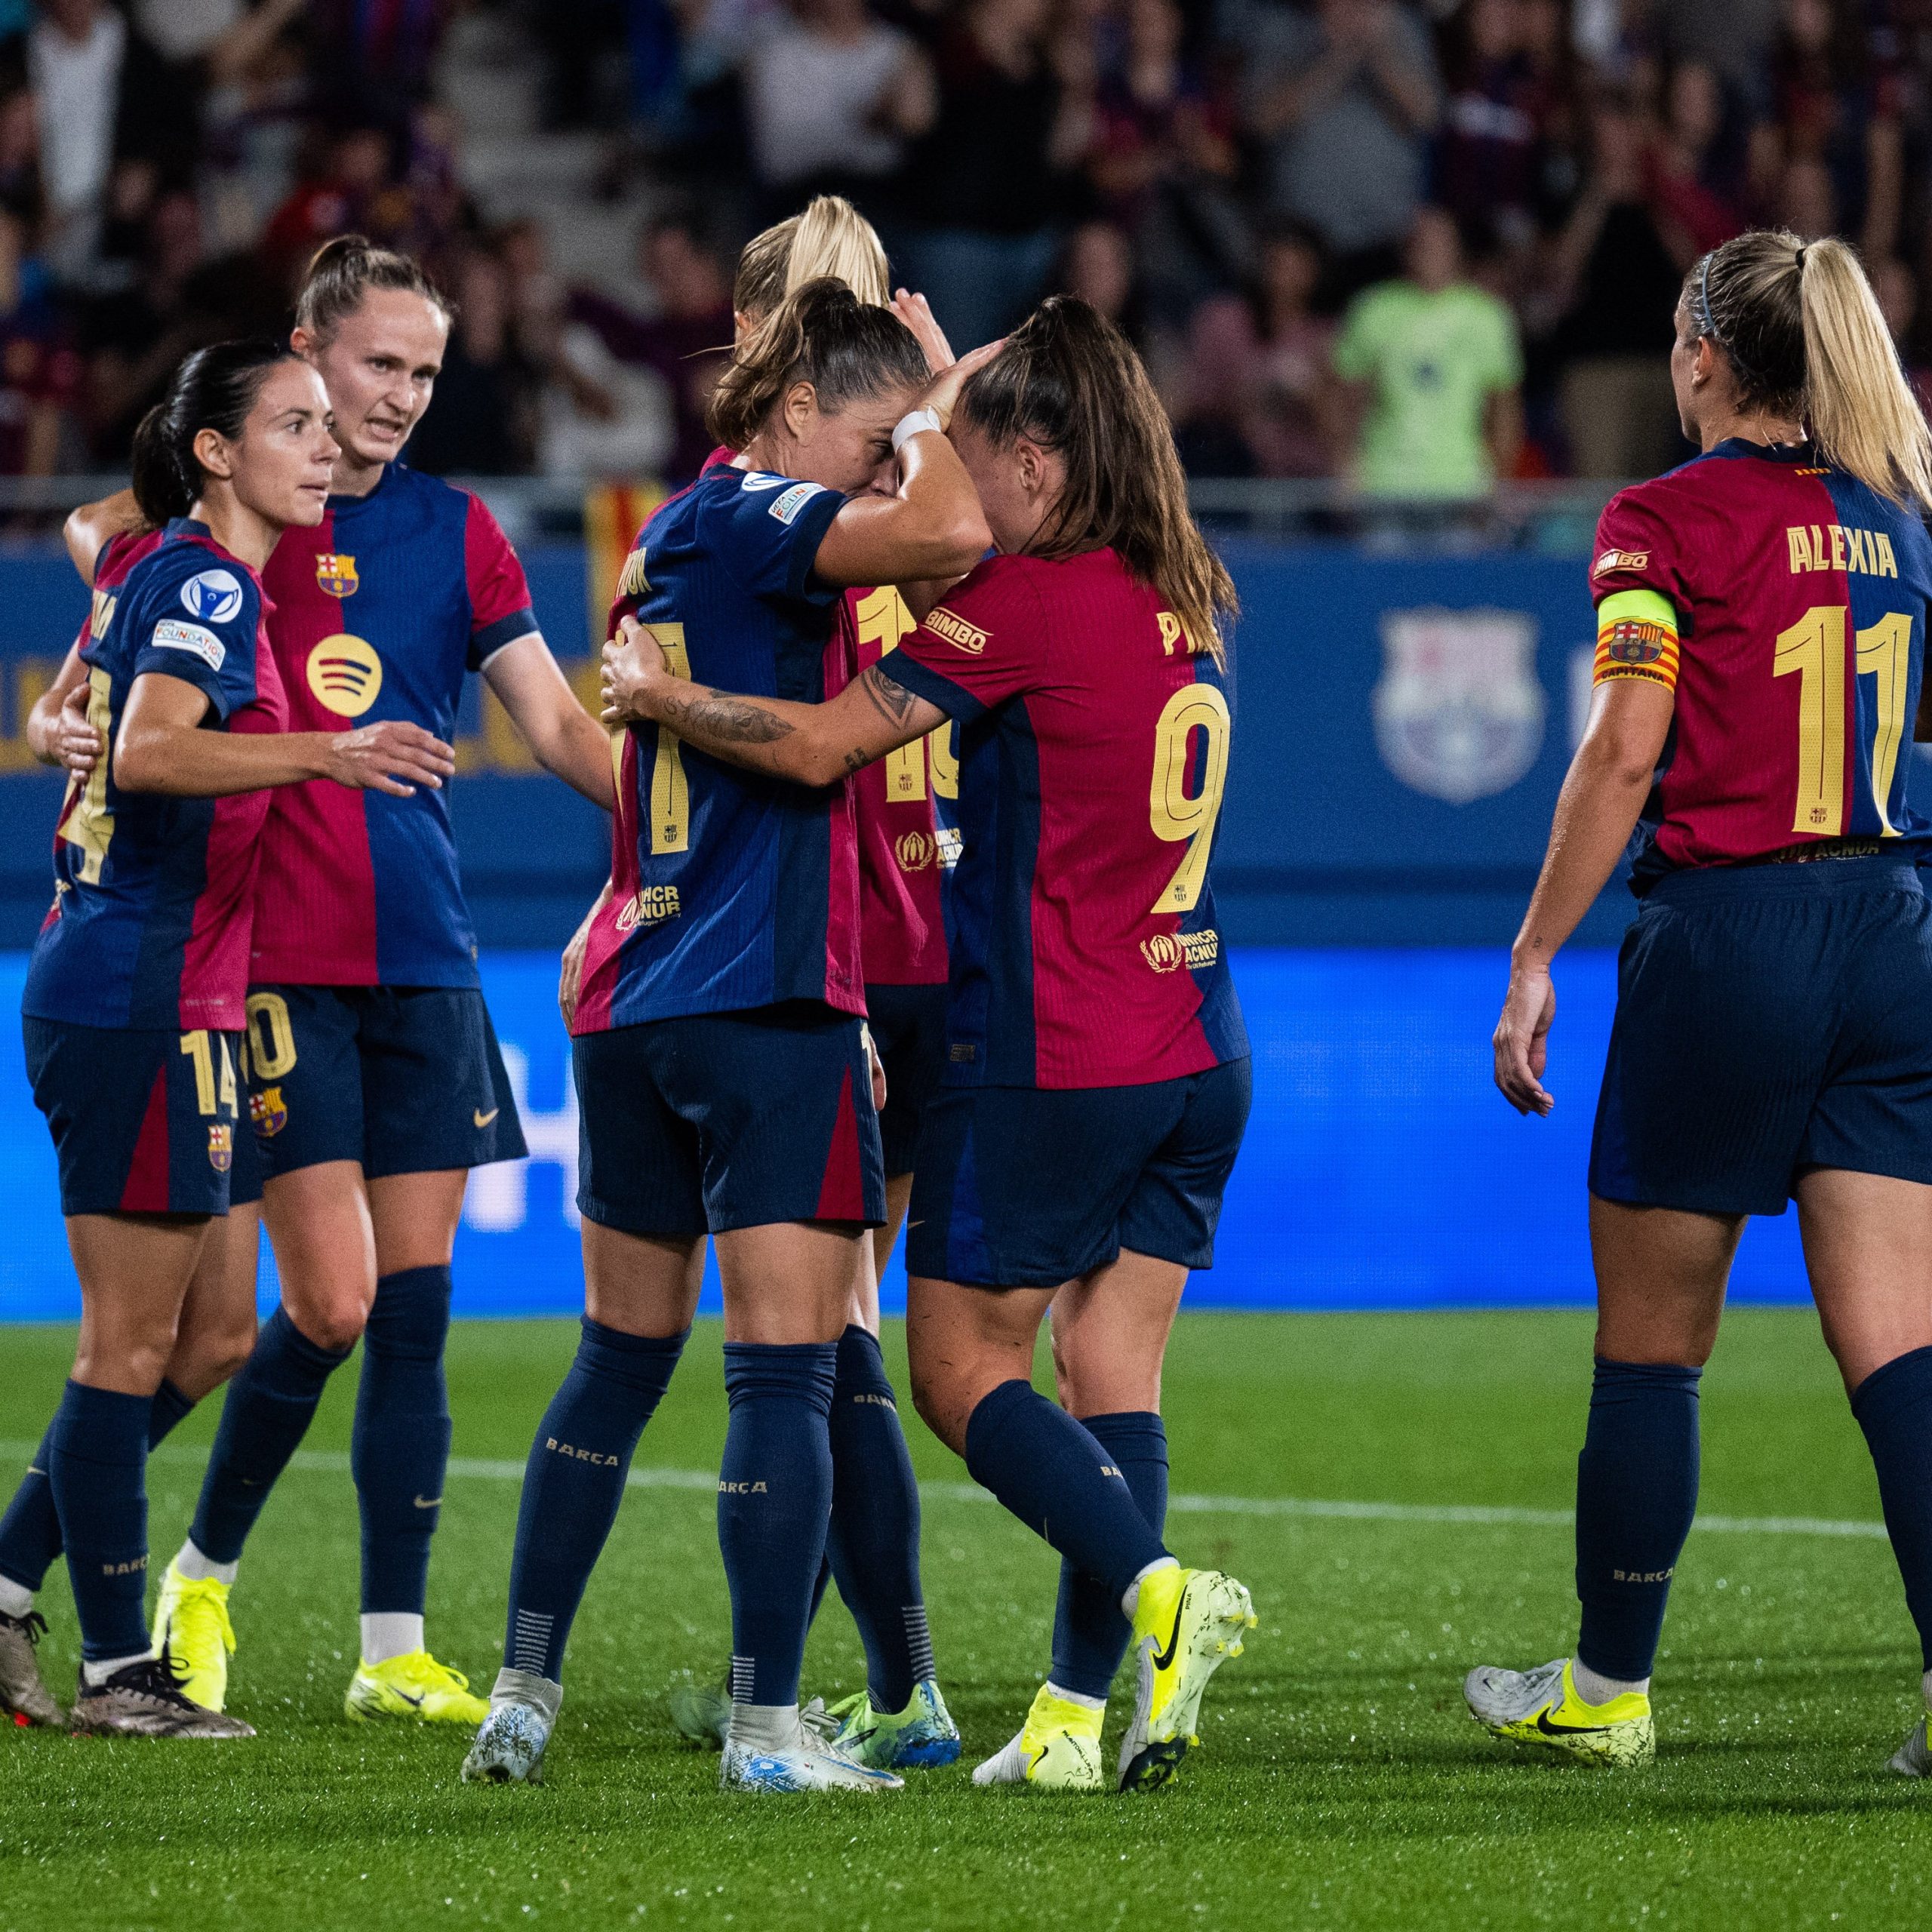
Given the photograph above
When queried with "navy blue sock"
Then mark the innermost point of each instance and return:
(1091, 1633)
(1052, 1473)
(30, 1530)
(400, 1448)
(1894, 1406)
(1636, 1495)
(98, 1464)
(873, 1543)
(774, 1505)
(270, 1404)
(574, 1482)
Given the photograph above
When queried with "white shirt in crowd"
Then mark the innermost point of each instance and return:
(811, 101)
(77, 84)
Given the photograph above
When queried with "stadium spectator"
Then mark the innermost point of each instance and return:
(39, 369)
(987, 183)
(484, 420)
(1489, 153)
(1433, 372)
(1098, 265)
(685, 344)
(336, 192)
(1697, 200)
(75, 55)
(1343, 98)
(831, 96)
(1612, 288)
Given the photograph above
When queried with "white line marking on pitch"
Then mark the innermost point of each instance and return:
(335, 1462)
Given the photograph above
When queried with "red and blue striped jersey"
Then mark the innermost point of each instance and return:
(1093, 753)
(1786, 609)
(154, 895)
(729, 890)
(380, 612)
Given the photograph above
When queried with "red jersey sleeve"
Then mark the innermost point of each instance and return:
(984, 644)
(500, 606)
(1639, 546)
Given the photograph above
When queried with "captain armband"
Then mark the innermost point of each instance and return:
(1636, 638)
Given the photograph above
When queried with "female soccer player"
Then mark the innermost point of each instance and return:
(720, 1063)
(1760, 629)
(134, 999)
(376, 1082)
(901, 1718)
(1097, 1075)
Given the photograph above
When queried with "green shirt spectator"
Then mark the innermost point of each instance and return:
(1433, 366)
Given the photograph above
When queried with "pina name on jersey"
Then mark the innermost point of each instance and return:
(1838, 546)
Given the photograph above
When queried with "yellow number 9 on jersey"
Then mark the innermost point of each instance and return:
(1175, 814)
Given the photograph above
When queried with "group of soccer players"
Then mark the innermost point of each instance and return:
(1067, 1079)
(917, 742)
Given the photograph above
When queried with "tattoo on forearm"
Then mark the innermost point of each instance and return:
(892, 700)
(857, 760)
(731, 720)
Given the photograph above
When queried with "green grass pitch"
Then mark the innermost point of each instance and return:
(1340, 1784)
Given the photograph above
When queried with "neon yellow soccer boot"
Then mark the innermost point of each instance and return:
(1058, 1748)
(1543, 1708)
(191, 1624)
(1186, 1624)
(414, 1685)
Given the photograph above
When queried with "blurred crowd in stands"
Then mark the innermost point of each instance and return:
(1415, 245)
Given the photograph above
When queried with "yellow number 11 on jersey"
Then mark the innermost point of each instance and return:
(1813, 648)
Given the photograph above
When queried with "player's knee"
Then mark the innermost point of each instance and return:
(935, 1396)
(332, 1322)
(214, 1358)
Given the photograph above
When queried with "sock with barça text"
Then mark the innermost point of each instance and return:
(774, 1506)
(574, 1483)
(270, 1405)
(30, 1530)
(399, 1450)
(1636, 1495)
(873, 1543)
(1052, 1474)
(1091, 1633)
(1894, 1406)
(98, 1466)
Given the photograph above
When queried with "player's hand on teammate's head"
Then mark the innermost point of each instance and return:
(392, 757)
(76, 742)
(631, 660)
(943, 394)
(1521, 1039)
(916, 313)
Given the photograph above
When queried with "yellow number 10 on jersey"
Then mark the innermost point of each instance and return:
(1174, 813)
(1813, 648)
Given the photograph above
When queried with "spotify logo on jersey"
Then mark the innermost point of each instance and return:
(344, 674)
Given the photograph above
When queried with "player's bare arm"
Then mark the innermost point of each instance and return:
(89, 530)
(565, 740)
(1596, 811)
(58, 732)
(811, 744)
(162, 747)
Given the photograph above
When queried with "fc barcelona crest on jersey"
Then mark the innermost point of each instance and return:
(1459, 713)
(268, 1111)
(337, 574)
(221, 1146)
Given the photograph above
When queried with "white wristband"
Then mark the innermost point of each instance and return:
(914, 423)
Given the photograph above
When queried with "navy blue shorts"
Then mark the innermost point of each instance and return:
(144, 1121)
(908, 1029)
(1027, 1187)
(718, 1120)
(406, 1079)
(1769, 1019)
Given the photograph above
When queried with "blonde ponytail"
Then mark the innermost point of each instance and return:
(1861, 410)
(832, 237)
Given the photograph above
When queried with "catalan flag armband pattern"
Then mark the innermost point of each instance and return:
(1636, 638)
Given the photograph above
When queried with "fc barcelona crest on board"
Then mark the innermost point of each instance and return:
(337, 574)
(1459, 713)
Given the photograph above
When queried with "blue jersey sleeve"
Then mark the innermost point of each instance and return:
(201, 626)
(768, 532)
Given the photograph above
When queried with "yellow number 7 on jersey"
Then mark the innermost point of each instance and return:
(1173, 812)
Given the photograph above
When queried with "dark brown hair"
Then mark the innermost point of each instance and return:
(341, 273)
(1799, 325)
(822, 334)
(215, 388)
(1068, 380)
